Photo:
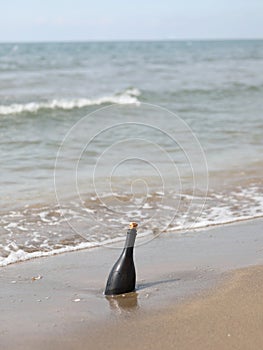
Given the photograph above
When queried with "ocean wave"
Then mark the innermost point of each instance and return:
(43, 231)
(129, 96)
(21, 255)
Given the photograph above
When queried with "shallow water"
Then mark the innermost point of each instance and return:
(131, 161)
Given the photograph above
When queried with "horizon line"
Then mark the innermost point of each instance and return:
(127, 40)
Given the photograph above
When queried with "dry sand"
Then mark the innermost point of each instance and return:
(191, 294)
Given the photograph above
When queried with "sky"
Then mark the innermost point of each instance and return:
(85, 20)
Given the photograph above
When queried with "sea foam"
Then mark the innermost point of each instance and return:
(129, 96)
(42, 231)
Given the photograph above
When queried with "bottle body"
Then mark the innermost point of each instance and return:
(122, 278)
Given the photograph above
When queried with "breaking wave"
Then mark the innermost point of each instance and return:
(129, 96)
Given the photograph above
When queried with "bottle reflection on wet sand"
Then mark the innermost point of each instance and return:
(124, 302)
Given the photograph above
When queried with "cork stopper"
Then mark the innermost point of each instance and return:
(133, 225)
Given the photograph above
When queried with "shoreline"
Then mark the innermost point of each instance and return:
(83, 246)
(66, 304)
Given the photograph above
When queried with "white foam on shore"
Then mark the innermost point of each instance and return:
(21, 255)
(206, 224)
(219, 213)
(129, 96)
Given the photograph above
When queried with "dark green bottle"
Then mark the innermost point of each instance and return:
(122, 278)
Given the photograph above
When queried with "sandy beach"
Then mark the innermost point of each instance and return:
(120, 113)
(202, 289)
(228, 317)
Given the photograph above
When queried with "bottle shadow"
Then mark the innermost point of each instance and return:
(141, 286)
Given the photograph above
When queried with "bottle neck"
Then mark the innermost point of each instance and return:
(130, 238)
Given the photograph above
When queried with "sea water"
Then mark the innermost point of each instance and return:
(94, 135)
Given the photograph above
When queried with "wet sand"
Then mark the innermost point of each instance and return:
(228, 317)
(190, 294)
